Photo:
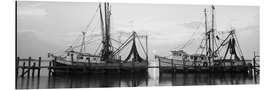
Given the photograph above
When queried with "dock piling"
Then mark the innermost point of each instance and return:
(173, 69)
(17, 64)
(159, 64)
(39, 63)
(22, 75)
(33, 69)
(50, 64)
(29, 65)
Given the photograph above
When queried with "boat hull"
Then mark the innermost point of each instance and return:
(173, 65)
(84, 67)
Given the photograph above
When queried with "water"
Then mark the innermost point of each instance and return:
(152, 78)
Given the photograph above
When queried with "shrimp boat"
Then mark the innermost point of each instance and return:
(108, 59)
(225, 56)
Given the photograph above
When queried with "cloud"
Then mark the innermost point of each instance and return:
(26, 30)
(249, 28)
(31, 10)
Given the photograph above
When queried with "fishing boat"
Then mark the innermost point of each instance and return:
(108, 59)
(225, 56)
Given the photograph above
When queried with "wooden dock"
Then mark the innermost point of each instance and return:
(26, 69)
(32, 67)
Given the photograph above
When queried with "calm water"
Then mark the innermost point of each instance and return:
(152, 78)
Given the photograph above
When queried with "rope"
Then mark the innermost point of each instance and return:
(238, 45)
(141, 44)
(97, 48)
(78, 37)
(86, 43)
(190, 40)
(95, 27)
(91, 20)
(88, 25)
(199, 46)
(116, 41)
(123, 45)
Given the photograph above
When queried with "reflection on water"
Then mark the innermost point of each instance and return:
(152, 78)
(182, 79)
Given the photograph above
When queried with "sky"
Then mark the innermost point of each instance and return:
(44, 27)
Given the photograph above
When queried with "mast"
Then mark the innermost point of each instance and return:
(107, 50)
(211, 40)
(207, 50)
(107, 25)
(210, 37)
(213, 31)
(102, 23)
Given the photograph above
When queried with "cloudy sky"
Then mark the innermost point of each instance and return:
(44, 27)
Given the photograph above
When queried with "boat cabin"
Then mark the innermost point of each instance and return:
(82, 57)
(182, 55)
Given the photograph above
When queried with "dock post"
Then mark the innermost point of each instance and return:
(254, 68)
(17, 64)
(254, 62)
(33, 69)
(159, 64)
(22, 75)
(132, 66)
(254, 65)
(39, 63)
(172, 65)
(53, 65)
(71, 59)
(71, 68)
(54, 61)
(29, 65)
(184, 64)
(50, 64)
(195, 64)
(146, 44)
(88, 65)
(88, 60)
(120, 67)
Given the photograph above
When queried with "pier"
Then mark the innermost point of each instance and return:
(32, 67)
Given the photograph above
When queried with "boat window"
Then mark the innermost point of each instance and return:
(195, 58)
